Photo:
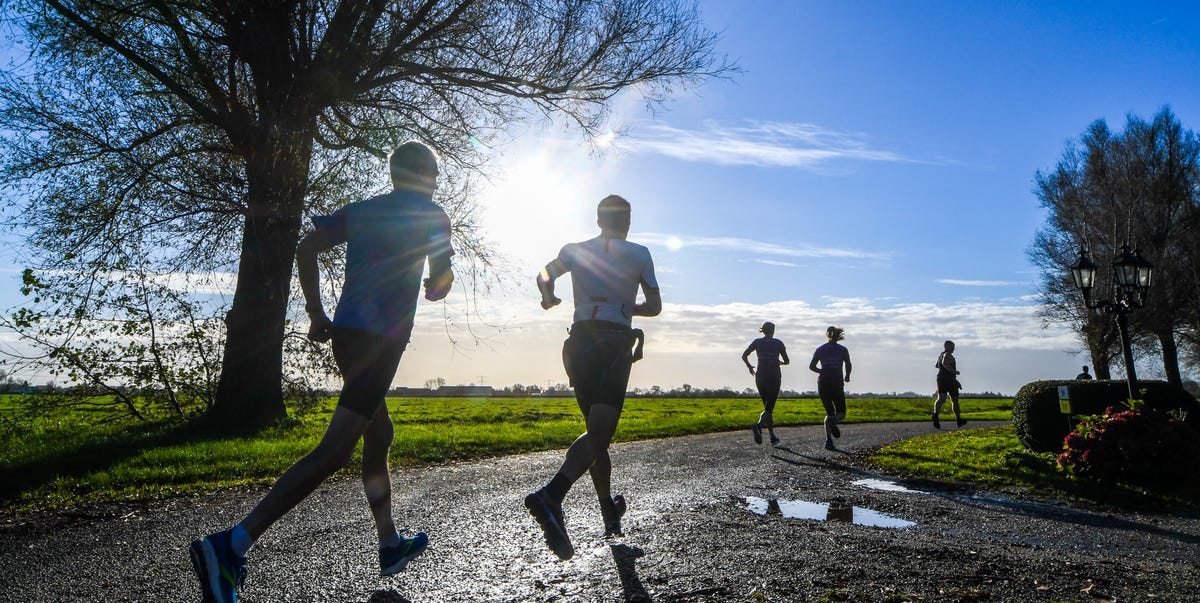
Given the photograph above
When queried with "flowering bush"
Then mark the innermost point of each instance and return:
(1143, 446)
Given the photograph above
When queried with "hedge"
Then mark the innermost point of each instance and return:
(1041, 426)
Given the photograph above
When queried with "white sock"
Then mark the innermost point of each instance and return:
(240, 539)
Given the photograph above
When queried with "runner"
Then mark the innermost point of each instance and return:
(1085, 375)
(830, 384)
(947, 385)
(605, 275)
(388, 238)
(771, 355)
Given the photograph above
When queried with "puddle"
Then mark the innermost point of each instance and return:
(801, 509)
(885, 485)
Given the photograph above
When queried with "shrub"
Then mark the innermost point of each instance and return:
(1041, 427)
(1144, 447)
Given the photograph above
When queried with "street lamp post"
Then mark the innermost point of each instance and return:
(1132, 275)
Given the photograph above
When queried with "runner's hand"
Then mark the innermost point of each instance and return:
(319, 328)
(751, 369)
(550, 302)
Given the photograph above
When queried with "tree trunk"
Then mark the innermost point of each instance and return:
(249, 393)
(1170, 355)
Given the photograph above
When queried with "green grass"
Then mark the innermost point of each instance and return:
(994, 458)
(63, 458)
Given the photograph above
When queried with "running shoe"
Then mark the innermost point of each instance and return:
(221, 571)
(776, 442)
(961, 422)
(757, 431)
(549, 516)
(612, 516)
(833, 428)
(936, 423)
(392, 559)
(829, 445)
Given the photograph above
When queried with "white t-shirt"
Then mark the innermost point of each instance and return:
(605, 274)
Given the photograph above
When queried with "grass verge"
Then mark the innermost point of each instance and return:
(56, 461)
(994, 458)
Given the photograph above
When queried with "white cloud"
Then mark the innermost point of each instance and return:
(677, 242)
(771, 144)
(973, 283)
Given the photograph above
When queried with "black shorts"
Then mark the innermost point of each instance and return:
(368, 363)
(833, 396)
(948, 384)
(598, 356)
(768, 380)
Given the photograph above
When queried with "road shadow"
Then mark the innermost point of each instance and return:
(387, 596)
(626, 558)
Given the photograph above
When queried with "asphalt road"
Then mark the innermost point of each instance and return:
(700, 527)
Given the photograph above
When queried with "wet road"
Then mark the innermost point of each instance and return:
(701, 525)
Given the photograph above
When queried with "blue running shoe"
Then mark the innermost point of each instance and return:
(549, 516)
(221, 571)
(392, 559)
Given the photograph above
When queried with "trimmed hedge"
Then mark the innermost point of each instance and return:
(1041, 427)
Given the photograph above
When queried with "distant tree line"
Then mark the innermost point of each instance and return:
(1139, 187)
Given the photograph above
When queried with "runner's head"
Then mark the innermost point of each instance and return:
(835, 334)
(768, 329)
(414, 166)
(948, 346)
(612, 216)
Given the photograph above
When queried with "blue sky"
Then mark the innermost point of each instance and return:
(872, 167)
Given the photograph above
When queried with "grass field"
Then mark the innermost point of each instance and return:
(65, 459)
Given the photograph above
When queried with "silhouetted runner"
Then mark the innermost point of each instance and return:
(388, 239)
(605, 275)
(1085, 375)
(947, 385)
(772, 354)
(831, 385)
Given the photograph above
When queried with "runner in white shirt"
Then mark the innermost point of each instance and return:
(605, 275)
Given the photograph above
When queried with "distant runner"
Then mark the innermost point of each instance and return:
(947, 385)
(1085, 375)
(771, 355)
(830, 382)
(605, 275)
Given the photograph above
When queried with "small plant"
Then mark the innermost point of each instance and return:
(1143, 447)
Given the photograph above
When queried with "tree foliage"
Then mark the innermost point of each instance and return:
(148, 146)
(1139, 187)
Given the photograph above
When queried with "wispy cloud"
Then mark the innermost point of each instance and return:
(756, 247)
(973, 283)
(775, 144)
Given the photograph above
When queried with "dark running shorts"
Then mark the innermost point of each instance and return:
(598, 356)
(947, 384)
(768, 380)
(368, 363)
(833, 396)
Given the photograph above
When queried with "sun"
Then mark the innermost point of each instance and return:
(536, 202)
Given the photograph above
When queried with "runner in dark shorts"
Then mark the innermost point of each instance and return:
(606, 273)
(947, 385)
(388, 239)
(827, 362)
(771, 354)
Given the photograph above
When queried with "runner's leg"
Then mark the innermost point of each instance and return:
(377, 480)
(331, 454)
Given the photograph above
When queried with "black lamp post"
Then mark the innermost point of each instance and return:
(1132, 275)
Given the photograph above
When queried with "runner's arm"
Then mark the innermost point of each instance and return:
(307, 271)
(545, 282)
(784, 356)
(849, 367)
(746, 357)
(653, 304)
(812, 366)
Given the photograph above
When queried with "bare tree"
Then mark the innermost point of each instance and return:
(195, 136)
(1139, 187)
